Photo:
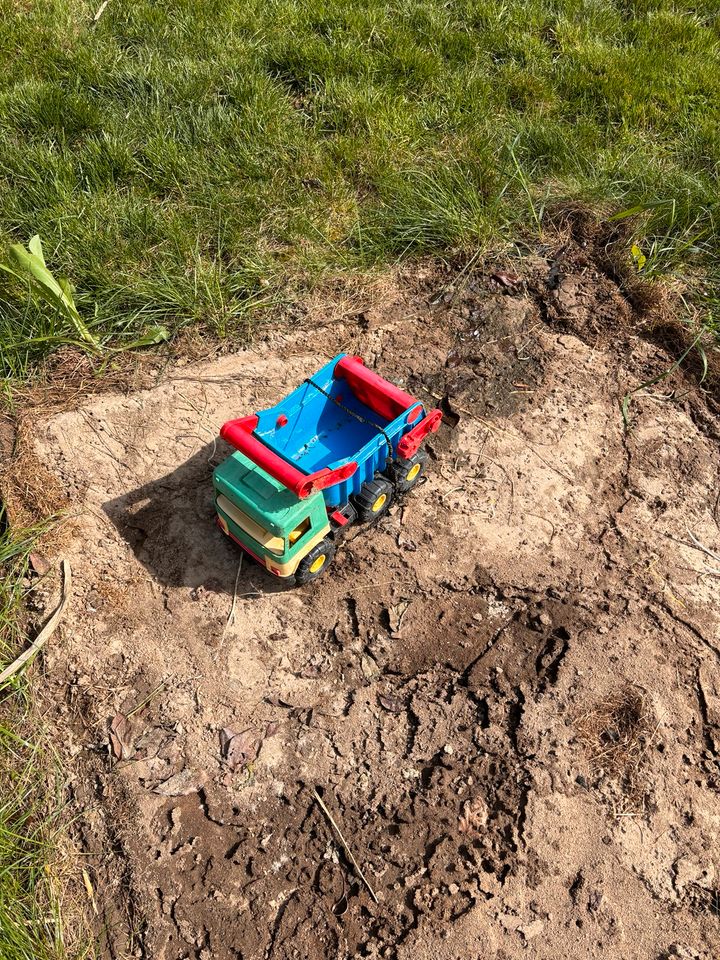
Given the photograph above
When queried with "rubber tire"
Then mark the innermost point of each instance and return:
(304, 574)
(401, 469)
(368, 496)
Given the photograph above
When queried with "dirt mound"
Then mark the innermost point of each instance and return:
(506, 693)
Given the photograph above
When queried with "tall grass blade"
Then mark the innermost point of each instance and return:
(625, 405)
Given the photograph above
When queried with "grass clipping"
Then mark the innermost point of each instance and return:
(617, 734)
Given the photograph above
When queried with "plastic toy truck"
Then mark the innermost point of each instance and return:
(335, 451)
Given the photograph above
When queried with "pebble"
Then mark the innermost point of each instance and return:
(533, 929)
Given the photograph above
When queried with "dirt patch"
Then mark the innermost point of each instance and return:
(433, 688)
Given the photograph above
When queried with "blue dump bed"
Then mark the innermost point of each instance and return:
(323, 424)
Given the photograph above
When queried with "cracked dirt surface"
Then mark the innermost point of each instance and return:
(448, 689)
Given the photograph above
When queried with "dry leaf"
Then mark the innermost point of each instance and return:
(508, 280)
(396, 612)
(89, 890)
(39, 563)
(238, 749)
(179, 785)
(406, 544)
(369, 667)
(310, 672)
(276, 701)
(271, 729)
(390, 702)
(121, 744)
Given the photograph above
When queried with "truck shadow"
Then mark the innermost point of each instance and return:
(169, 524)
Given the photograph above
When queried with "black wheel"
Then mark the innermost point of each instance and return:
(316, 562)
(374, 499)
(407, 473)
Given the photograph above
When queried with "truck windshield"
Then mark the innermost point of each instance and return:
(299, 532)
(264, 538)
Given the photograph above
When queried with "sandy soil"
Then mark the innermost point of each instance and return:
(507, 693)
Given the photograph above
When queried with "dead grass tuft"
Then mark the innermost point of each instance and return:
(617, 733)
(70, 376)
(28, 487)
(30, 492)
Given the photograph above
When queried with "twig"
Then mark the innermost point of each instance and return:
(702, 547)
(346, 848)
(47, 631)
(507, 477)
(89, 890)
(148, 698)
(231, 615)
(100, 11)
(546, 520)
(382, 583)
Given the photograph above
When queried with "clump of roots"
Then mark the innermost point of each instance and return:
(617, 734)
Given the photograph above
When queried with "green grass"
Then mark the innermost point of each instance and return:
(196, 162)
(31, 926)
(31, 799)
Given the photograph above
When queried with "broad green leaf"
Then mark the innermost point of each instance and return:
(625, 408)
(152, 336)
(67, 288)
(640, 208)
(29, 265)
(35, 246)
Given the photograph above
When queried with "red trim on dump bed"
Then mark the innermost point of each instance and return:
(374, 391)
(239, 434)
(410, 443)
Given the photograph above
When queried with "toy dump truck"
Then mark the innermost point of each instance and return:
(333, 452)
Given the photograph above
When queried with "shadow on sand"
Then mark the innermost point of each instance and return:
(170, 526)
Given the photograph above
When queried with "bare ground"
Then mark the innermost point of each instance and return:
(507, 693)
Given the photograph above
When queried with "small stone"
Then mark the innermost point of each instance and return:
(533, 929)
(678, 951)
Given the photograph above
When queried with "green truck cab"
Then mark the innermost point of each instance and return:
(265, 518)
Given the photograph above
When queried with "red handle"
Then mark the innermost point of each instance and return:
(239, 434)
(410, 443)
(383, 397)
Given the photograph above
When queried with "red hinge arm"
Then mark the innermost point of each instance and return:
(410, 443)
(383, 397)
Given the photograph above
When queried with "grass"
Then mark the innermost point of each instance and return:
(31, 800)
(198, 162)
(31, 926)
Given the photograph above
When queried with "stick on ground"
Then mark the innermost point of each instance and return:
(47, 631)
(345, 846)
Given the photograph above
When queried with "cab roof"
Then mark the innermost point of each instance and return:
(262, 497)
